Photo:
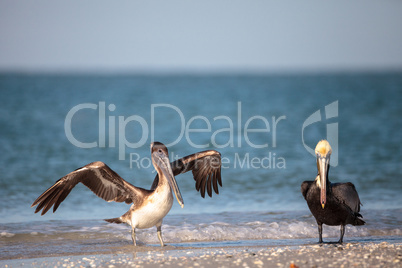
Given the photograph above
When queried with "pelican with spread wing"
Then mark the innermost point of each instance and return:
(149, 207)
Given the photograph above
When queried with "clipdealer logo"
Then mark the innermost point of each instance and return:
(233, 136)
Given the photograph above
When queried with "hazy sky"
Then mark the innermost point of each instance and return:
(48, 35)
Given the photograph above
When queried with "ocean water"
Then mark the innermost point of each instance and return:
(263, 125)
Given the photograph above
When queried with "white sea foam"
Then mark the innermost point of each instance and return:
(6, 234)
(248, 231)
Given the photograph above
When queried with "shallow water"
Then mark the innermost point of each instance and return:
(260, 198)
(205, 230)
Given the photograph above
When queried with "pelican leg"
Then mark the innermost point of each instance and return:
(342, 233)
(320, 233)
(133, 236)
(159, 232)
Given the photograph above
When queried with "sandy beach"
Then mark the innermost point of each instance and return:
(382, 254)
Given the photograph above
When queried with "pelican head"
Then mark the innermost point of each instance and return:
(160, 160)
(323, 152)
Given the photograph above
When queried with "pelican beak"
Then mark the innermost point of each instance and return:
(164, 165)
(323, 167)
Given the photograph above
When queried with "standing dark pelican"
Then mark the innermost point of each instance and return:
(149, 206)
(331, 203)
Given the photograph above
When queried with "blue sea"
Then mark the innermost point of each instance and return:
(264, 126)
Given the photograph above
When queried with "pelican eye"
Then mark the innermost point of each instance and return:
(320, 156)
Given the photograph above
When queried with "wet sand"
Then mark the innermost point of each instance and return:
(382, 254)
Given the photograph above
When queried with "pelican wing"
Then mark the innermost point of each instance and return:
(206, 169)
(98, 177)
(346, 194)
(305, 186)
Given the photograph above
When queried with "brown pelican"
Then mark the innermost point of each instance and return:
(331, 203)
(149, 207)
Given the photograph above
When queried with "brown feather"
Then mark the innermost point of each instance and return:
(209, 188)
(98, 177)
(206, 169)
